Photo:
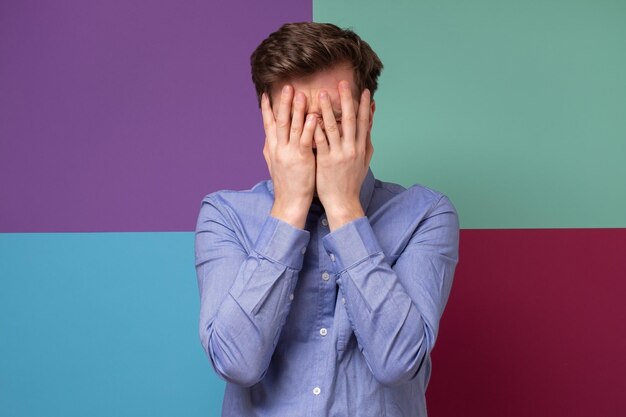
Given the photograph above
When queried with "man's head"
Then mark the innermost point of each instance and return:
(300, 50)
(314, 82)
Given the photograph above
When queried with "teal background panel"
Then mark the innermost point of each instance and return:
(102, 324)
(516, 110)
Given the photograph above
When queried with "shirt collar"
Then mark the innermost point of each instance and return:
(365, 196)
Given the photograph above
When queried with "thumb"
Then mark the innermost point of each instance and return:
(266, 155)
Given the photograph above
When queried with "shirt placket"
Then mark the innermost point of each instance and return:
(324, 317)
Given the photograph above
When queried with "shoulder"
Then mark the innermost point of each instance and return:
(233, 204)
(417, 198)
(401, 214)
(259, 191)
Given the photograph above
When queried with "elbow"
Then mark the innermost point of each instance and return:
(398, 375)
(401, 370)
(238, 374)
(231, 364)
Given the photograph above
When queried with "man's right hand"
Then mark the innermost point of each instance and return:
(289, 156)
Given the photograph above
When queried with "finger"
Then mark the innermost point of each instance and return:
(348, 118)
(283, 119)
(369, 149)
(330, 124)
(266, 155)
(268, 119)
(306, 140)
(363, 122)
(320, 141)
(297, 121)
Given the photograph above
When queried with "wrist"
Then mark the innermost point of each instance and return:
(338, 215)
(293, 212)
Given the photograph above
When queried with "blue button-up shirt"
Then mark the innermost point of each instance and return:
(319, 323)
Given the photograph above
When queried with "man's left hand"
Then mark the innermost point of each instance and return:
(343, 155)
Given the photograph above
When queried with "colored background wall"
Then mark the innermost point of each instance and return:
(520, 105)
(117, 118)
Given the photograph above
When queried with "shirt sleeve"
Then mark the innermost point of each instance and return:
(244, 291)
(395, 311)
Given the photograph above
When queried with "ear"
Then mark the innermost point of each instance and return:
(372, 110)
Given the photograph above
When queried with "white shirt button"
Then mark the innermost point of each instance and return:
(324, 222)
(325, 276)
(291, 296)
(317, 390)
(303, 250)
(343, 300)
(323, 331)
(332, 257)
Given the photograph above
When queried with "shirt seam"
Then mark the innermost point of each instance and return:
(263, 256)
(359, 261)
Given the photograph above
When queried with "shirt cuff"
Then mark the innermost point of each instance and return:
(350, 244)
(281, 242)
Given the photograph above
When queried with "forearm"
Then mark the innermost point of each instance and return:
(242, 336)
(240, 325)
(386, 322)
(394, 312)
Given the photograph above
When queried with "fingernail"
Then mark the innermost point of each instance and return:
(286, 89)
(345, 85)
(323, 95)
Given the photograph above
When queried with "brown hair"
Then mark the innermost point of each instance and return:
(299, 49)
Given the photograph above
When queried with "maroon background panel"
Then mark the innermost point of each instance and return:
(120, 115)
(535, 326)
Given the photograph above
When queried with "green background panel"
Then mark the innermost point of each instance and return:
(516, 110)
(102, 324)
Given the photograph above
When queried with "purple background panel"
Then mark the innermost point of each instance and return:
(122, 115)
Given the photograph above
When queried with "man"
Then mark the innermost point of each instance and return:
(322, 289)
